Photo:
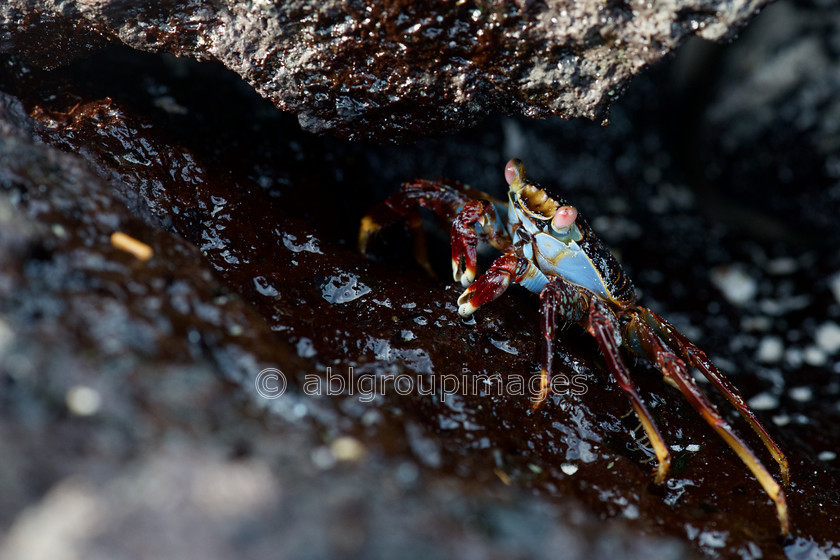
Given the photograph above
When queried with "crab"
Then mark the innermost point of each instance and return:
(548, 248)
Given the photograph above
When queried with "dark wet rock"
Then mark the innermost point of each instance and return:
(130, 420)
(127, 389)
(393, 70)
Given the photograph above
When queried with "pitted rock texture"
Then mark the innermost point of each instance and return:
(393, 71)
(173, 415)
(253, 223)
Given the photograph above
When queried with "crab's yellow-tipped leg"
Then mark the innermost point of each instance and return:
(697, 358)
(543, 391)
(674, 368)
(548, 326)
(367, 229)
(771, 487)
(603, 326)
(663, 456)
(385, 214)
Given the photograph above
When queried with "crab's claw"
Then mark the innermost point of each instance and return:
(490, 285)
(464, 241)
(463, 274)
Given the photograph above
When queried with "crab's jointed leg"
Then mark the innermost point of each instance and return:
(472, 214)
(577, 305)
(549, 300)
(697, 358)
(556, 298)
(603, 325)
(643, 339)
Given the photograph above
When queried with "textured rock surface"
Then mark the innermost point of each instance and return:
(396, 70)
(129, 416)
(129, 420)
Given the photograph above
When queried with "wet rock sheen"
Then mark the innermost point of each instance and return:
(397, 70)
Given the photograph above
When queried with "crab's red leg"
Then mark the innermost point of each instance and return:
(451, 203)
(672, 367)
(556, 297)
(603, 325)
(697, 358)
(403, 204)
(549, 300)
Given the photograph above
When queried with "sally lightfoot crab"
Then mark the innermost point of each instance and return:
(548, 248)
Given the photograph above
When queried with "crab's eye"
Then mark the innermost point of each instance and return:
(511, 170)
(564, 217)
